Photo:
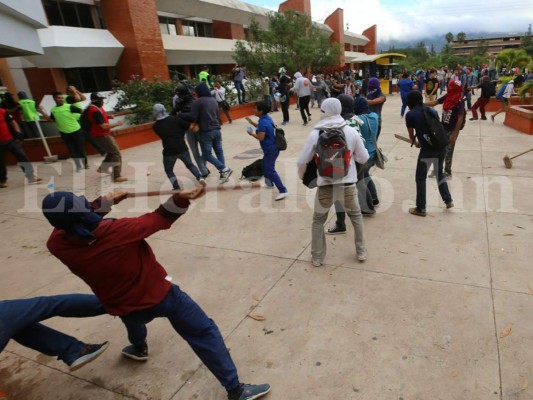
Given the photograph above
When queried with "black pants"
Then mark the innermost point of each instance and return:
(15, 148)
(304, 107)
(285, 109)
(75, 143)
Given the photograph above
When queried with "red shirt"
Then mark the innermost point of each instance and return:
(5, 133)
(98, 116)
(119, 266)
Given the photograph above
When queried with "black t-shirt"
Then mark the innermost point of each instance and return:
(430, 85)
(487, 89)
(171, 130)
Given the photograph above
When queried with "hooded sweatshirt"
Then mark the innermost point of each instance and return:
(331, 118)
(302, 85)
(204, 109)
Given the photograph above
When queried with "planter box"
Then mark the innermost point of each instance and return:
(520, 118)
(494, 105)
(128, 137)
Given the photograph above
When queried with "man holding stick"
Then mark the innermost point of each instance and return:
(123, 272)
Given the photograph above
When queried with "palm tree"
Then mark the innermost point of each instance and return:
(461, 36)
(449, 37)
(512, 58)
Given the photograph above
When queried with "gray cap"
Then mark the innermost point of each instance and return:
(160, 112)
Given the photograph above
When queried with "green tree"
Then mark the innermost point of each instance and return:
(291, 40)
(461, 37)
(449, 37)
(511, 58)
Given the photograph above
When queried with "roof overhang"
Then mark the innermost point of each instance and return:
(68, 47)
(19, 21)
(192, 50)
(377, 58)
(233, 11)
(355, 39)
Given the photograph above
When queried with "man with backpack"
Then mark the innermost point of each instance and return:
(335, 147)
(505, 92)
(487, 91)
(453, 118)
(431, 152)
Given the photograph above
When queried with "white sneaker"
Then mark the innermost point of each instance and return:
(281, 196)
(224, 175)
(202, 182)
(316, 263)
(362, 257)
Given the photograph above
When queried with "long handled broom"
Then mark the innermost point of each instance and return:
(508, 160)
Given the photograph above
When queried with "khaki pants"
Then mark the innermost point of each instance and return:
(113, 157)
(325, 196)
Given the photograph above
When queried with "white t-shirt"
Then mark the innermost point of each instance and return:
(303, 87)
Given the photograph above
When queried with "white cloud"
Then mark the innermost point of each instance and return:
(415, 20)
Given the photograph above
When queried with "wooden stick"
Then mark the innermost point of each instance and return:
(218, 188)
(405, 139)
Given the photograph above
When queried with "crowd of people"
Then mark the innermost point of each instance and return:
(138, 289)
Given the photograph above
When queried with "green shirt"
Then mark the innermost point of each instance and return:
(204, 75)
(66, 120)
(28, 110)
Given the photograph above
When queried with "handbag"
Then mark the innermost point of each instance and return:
(381, 158)
(310, 175)
(225, 105)
(279, 138)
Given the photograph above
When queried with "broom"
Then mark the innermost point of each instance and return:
(508, 160)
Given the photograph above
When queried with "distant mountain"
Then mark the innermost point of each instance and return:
(438, 41)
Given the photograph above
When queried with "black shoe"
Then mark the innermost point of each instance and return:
(336, 229)
(206, 175)
(368, 212)
(139, 353)
(250, 392)
(473, 119)
(89, 353)
(375, 202)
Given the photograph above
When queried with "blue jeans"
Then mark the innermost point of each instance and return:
(15, 148)
(193, 141)
(241, 93)
(193, 325)
(269, 169)
(404, 103)
(19, 320)
(212, 140)
(170, 161)
(428, 157)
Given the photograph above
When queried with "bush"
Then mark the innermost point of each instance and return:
(140, 95)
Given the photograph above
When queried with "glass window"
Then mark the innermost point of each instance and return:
(172, 29)
(88, 80)
(188, 30)
(85, 14)
(70, 17)
(163, 27)
(64, 13)
(51, 7)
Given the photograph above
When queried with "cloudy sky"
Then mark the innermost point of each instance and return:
(397, 19)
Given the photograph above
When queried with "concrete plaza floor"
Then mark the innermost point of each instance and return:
(427, 316)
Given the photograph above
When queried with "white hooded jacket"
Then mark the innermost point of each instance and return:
(331, 118)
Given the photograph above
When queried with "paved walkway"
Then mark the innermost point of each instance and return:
(420, 320)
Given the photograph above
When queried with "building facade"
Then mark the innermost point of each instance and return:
(491, 45)
(89, 43)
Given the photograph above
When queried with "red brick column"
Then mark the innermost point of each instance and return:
(372, 34)
(336, 22)
(303, 6)
(135, 24)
